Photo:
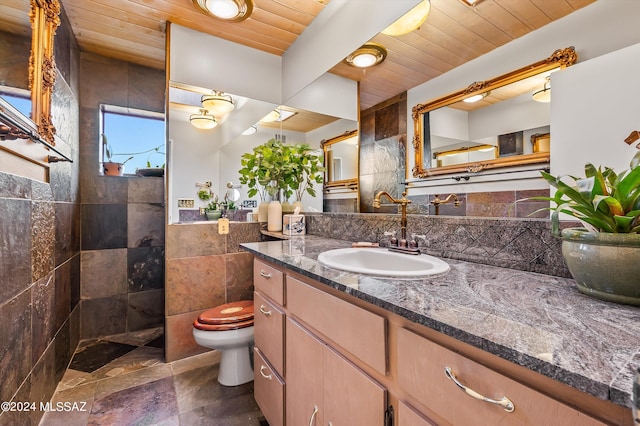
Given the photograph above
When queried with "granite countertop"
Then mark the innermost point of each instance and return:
(537, 321)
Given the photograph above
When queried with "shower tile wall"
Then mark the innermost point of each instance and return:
(382, 151)
(39, 245)
(123, 218)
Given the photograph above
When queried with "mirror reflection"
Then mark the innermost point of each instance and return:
(210, 157)
(490, 124)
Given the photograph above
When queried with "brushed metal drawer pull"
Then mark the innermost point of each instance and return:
(263, 309)
(313, 415)
(266, 376)
(504, 402)
(266, 275)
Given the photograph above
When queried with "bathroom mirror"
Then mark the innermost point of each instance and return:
(28, 135)
(453, 135)
(341, 160)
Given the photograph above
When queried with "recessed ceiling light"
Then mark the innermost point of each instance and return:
(369, 54)
(226, 10)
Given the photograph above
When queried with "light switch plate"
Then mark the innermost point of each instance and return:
(223, 225)
(187, 203)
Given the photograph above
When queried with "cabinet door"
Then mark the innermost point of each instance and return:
(268, 390)
(350, 396)
(407, 416)
(303, 372)
(269, 331)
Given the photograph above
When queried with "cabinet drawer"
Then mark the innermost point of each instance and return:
(357, 330)
(269, 281)
(421, 373)
(268, 390)
(269, 331)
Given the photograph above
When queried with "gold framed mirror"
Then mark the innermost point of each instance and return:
(341, 161)
(508, 152)
(45, 19)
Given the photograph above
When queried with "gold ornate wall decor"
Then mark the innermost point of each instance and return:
(561, 58)
(45, 19)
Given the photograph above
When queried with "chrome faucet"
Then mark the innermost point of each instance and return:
(437, 201)
(401, 245)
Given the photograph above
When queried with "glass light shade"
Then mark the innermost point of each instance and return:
(250, 131)
(203, 120)
(544, 94)
(367, 55)
(271, 117)
(471, 2)
(225, 9)
(475, 98)
(218, 104)
(410, 21)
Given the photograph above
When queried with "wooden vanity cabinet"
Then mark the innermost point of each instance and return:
(421, 374)
(323, 388)
(268, 361)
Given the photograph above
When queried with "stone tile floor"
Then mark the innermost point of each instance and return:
(123, 380)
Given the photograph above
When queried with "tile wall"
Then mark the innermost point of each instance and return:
(523, 244)
(40, 246)
(123, 218)
(203, 269)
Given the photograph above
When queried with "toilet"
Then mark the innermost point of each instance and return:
(229, 329)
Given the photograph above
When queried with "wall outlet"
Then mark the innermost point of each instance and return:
(187, 203)
(223, 226)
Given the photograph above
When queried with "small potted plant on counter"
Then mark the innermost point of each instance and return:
(603, 255)
(212, 210)
(306, 170)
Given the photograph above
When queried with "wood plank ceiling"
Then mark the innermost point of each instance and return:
(134, 30)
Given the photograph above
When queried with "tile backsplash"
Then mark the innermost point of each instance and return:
(523, 244)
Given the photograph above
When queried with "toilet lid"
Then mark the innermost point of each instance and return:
(223, 327)
(229, 313)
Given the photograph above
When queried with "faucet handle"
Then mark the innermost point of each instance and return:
(393, 240)
(420, 236)
(387, 233)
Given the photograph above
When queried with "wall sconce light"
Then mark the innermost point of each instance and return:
(476, 98)
(226, 10)
(544, 94)
(218, 103)
(203, 120)
(369, 54)
(410, 21)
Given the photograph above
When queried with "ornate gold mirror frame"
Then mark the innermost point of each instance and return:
(350, 183)
(45, 19)
(561, 58)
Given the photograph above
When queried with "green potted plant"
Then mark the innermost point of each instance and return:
(212, 209)
(306, 169)
(603, 255)
(264, 171)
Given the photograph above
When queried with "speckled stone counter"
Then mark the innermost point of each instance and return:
(537, 321)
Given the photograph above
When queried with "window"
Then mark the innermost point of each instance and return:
(134, 137)
(19, 98)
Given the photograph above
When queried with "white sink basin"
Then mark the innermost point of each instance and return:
(382, 262)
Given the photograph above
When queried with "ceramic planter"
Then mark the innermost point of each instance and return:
(213, 214)
(605, 265)
(113, 169)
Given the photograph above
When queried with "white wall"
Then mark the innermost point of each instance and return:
(596, 106)
(595, 30)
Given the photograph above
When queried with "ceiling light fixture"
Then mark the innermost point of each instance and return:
(250, 131)
(271, 117)
(203, 120)
(410, 21)
(226, 10)
(218, 103)
(471, 2)
(369, 54)
(544, 94)
(476, 98)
